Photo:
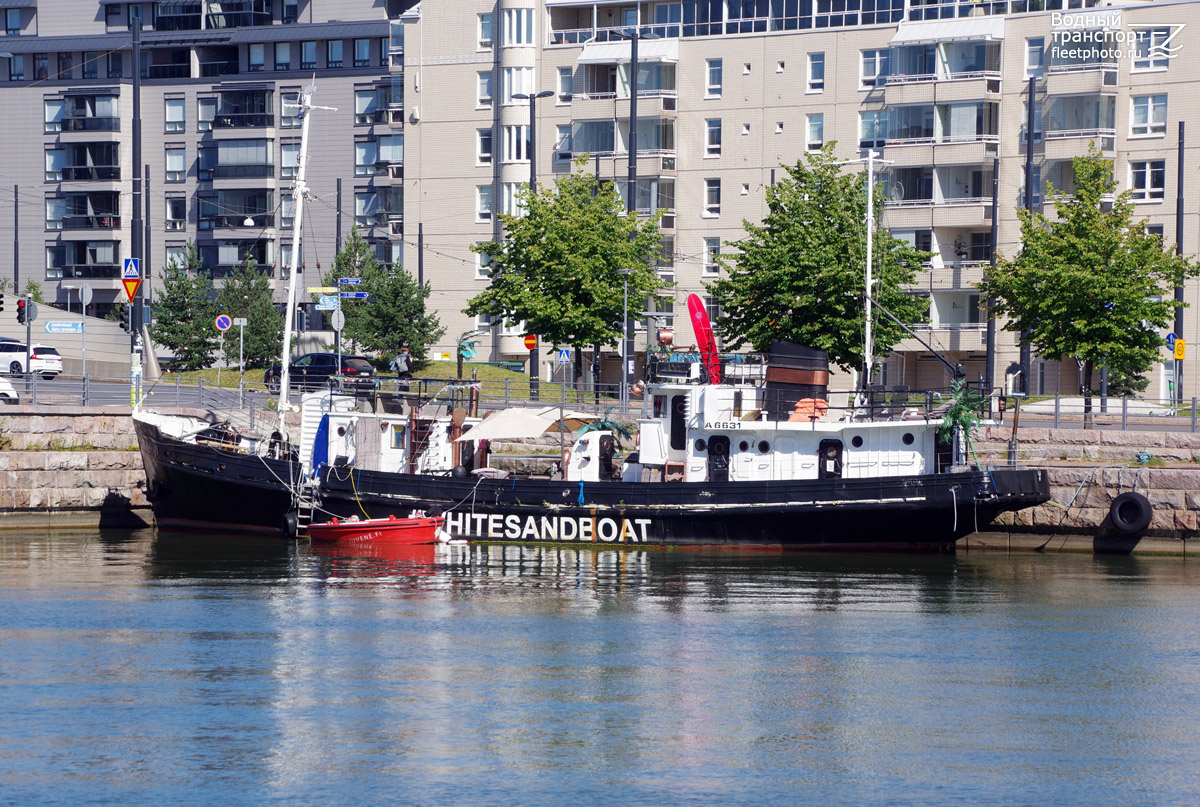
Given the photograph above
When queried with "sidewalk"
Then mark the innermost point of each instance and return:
(1074, 406)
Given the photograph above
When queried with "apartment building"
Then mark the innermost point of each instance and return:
(431, 137)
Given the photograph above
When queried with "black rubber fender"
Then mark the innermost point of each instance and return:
(289, 525)
(1130, 512)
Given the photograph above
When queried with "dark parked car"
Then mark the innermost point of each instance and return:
(316, 370)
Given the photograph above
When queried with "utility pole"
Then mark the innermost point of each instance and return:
(989, 367)
(135, 318)
(1179, 251)
(1030, 120)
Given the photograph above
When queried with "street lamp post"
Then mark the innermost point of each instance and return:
(626, 353)
(533, 351)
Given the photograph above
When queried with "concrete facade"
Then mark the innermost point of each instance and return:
(416, 168)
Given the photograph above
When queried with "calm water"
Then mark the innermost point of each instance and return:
(188, 669)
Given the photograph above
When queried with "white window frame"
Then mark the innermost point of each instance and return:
(484, 32)
(517, 28)
(714, 89)
(712, 198)
(484, 209)
(563, 144)
(510, 191)
(482, 262)
(55, 111)
(1146, 169)
(484, 156)
(515, 80)
(1153, 125)
(565, 87)
(817, 119)
(880, 128)
(816, 73)
(712, 248)
(1035, 68)
(881, 65)
(289, 160)
(484, 91)
(366, 157)
(175, 224)
(174, 114)
(712, 137)
(175, 174)
(1142, 61)
(516, 144)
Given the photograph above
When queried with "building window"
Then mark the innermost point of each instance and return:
(41, 67)
(206, 112)
(713, 79)
(366, 209)
(362, 53)
(485, 31)
(712, 197)
(291, 11)
(1151, 51)
(176, 213)
(518, 27)
(816, 131)
(115, 67)
(289, 105)
(483, 146)
(52, 117)
(287, 210)
(384, 44)
(712, 248)
(565, 85)
(366, 155)
(1149, 115)
(483, 263)
(1148, 179)
(483, 202)
(91, 64)
(175, 110)
(66, 63)
(816, 72)
(333, 53)
(391, 149)
(12, 21)
(712, 138)
(256, 58)
(875, 67)
(513, 204)
(1037, 121)
(283, 55)
(1035, 57)
(516, 80)
(308, 55)
(366, 106)
(485, 90)
(56, 211)
(516, 144)
(562, 144)
(872, 129)
(16, 67)
(176, 165)
(289, 155)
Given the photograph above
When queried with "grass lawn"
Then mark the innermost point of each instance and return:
(228, 376)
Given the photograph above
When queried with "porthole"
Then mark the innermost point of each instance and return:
(701, 445)
(743, 446)
(908, 438)
(763, 446)
(857, 441)
(341, 431)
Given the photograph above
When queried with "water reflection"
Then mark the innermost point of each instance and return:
(140, 665)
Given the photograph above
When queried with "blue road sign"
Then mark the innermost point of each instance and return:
(354, 295)
(564, 355)
(224, 323)
(1171, 337)
(64, 327)
(350, 281)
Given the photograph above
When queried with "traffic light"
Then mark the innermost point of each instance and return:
(126, 318)
(21, 303)
(1, 301)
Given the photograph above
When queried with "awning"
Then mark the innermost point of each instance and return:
(649, 50)
(513, 424)
(20, 3)
(295, 33)
(63, 44)
(913, 33)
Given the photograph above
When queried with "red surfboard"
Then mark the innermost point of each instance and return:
(704, 338)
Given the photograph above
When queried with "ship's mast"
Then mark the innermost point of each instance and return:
(299, 195)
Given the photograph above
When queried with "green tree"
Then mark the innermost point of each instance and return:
(800, 276)
(395, 312)
(1092, 284)
(558, 267)
(247, 293)
(33, 290)
(184, 312)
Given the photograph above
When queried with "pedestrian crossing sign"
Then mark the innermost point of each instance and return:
(131, 269)
(564, 355)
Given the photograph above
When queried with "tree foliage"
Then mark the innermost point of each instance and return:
(247, 293)
(558, 266)
(184, 312)
(395, 312)
(1091, 284)
(800, 275)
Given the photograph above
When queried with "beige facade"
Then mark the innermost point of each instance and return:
(939, 92)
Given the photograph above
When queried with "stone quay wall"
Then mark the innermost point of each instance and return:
(1090, 467)
(67, 465)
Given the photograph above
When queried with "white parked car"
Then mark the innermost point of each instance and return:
(43, 359)
(8, 394)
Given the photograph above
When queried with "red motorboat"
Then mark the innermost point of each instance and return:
(390, 530)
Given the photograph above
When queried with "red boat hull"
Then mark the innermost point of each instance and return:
(391, 530)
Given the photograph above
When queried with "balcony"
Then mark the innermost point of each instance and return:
(236, 221)
(108, 222)
(218, 69)
(90, 124)
(244, 120)
(170, 71)
(91, 173)
(965, 336)
(83, 271)
(243, 171)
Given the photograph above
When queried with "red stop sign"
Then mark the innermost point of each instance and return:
(530, 342)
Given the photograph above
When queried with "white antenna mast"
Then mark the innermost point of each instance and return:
(299, 195)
